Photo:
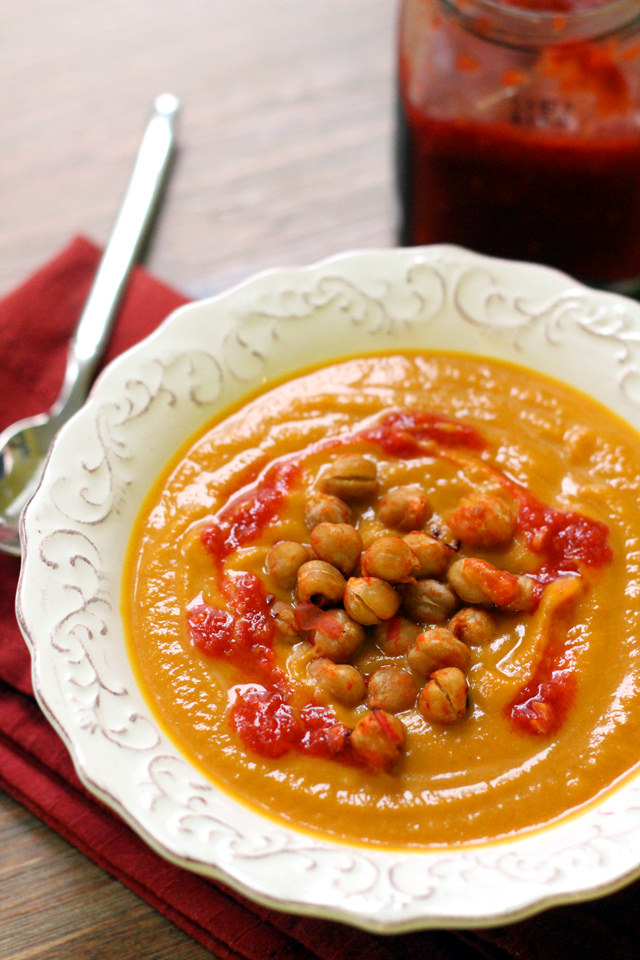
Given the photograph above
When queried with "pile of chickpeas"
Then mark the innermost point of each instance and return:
(408, 590)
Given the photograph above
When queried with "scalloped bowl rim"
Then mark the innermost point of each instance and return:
(203, 357)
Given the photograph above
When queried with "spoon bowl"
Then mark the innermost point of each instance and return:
(24, 445)
(23, 449)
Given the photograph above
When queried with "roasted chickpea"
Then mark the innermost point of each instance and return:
(390, 559)
(338, 543)
(473, 626)
(444, 698)
(436, 648)
(350, 477)
(475, 581)
(341, 681)
(338, 637)
(395, 636)
(378, 738)
(428, 601)
(483, 520)
(368, 600)
(284, 559)
(285, 621)
(323, 508)
(320, 583)
(405, 508)
(478, 581)
(391, 688)
(433, 555)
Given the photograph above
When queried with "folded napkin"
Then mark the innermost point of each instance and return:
(35, 324)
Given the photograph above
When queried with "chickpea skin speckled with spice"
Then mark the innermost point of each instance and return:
(369, 600)
(433, 555)
(444, 698)
(324, 508)
(435, 648)
(342, 641)
(395, 636)
(337, 543)
(378, 738)
(473, 626)
(284, 560)
(392, 688)
(350, 477)
(483, 520)
(285, 620)
(405, 508)
(390, 559)
(342, 681)
(319, 582)
(428, 601)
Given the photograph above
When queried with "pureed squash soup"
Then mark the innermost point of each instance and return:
(395, 600)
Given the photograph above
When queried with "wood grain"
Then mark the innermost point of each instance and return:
(285, 146)
(55, 903)
(285, 157)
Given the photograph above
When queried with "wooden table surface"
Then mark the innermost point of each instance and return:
(285, 156)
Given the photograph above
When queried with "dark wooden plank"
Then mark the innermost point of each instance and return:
(56, 904)
(285, 152)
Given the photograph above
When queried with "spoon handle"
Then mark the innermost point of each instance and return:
(127, 237)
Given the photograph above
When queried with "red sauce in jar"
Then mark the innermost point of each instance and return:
(513, 193)
(536, 190)
(557, 6)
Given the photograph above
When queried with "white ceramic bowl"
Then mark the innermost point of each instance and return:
(75, 531)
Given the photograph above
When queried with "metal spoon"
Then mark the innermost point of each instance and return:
(24, 445)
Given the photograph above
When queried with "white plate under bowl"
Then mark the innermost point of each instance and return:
(75, 532)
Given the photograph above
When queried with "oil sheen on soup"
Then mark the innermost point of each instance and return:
(394, 601)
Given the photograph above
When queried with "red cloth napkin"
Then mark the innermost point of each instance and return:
(35, 324)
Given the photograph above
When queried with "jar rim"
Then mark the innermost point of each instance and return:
(522, 26)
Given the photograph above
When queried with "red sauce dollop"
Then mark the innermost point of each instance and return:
(244, 637)
(270, 726)
(405, 433)
(563, 539)
(265, 721)
(541, 706)
(245, 517)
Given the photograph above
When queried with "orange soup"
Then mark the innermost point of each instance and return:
(394, 601)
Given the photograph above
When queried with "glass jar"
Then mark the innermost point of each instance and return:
(519, 131)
